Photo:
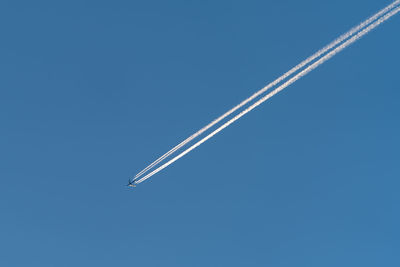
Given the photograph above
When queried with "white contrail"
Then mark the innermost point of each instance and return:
(272, 84)
(277, 90)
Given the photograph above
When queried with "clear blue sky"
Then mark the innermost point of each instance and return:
(93, 91)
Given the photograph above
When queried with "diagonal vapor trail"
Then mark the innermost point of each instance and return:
(272, 84)
(281, 87)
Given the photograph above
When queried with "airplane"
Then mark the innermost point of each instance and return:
(131, 183)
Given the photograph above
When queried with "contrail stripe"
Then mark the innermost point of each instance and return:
(277, 90)
(272, 84)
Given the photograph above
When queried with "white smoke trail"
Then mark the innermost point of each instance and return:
(277, 90)
(272, 84)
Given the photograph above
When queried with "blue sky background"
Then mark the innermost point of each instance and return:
(93, 91)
